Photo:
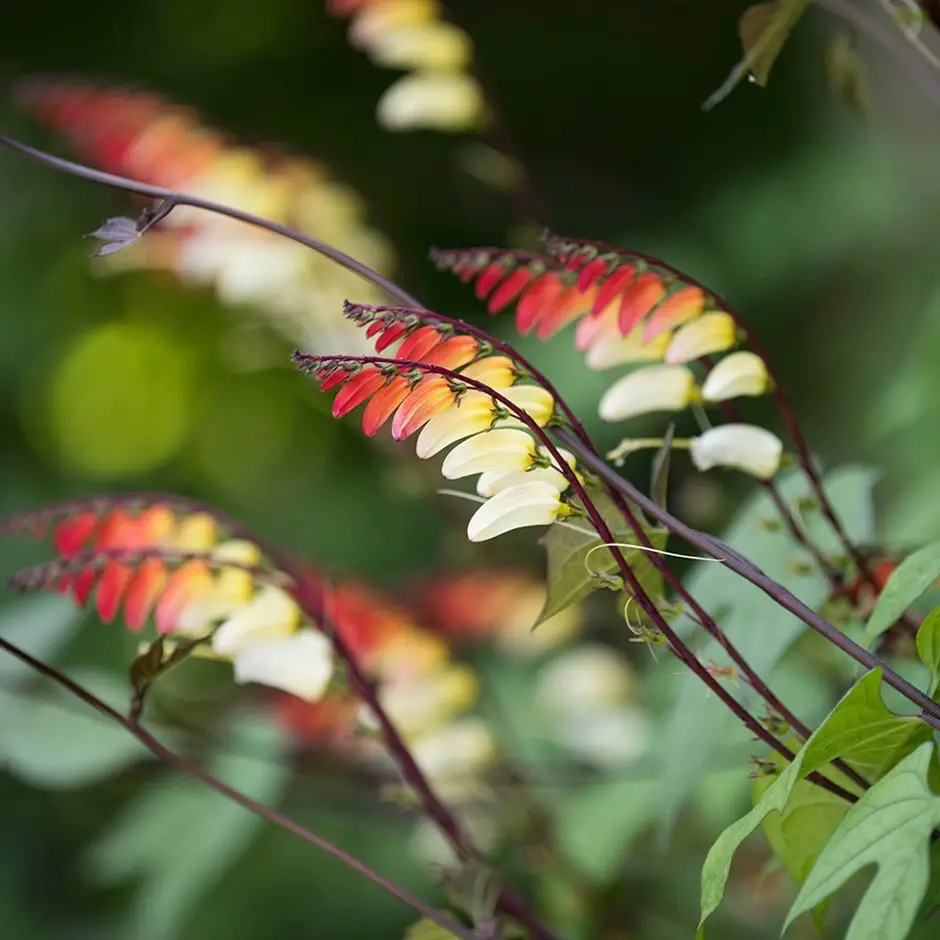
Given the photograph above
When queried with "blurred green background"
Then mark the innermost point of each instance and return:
(817, 223)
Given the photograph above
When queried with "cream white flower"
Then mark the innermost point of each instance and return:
(463, 748)
(416, 705)
(740, 373)
(710, 333)
(502, 449)
(588, 677)
(654, 388)
(744, 447)
(301, 664)
(271, 614)
(441, 100)
(616, 350)
(374, 19)
(533, 400)
(492, 482)
(433, 45)
(526, 504)
(606, 738)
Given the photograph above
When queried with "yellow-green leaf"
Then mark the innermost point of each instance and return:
(928, 646)
(764, 28)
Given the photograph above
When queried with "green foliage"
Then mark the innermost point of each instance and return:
(40, 626)
(890, 827)
(58, 743)
(928, 646)
(908, 582)
(596, 826)
(699, 726)
(764, 28)
(179, 837)
(860, 730)
(425, 929)
(577, 565)
(659, 483)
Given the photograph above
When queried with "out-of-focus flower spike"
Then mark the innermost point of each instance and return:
(364, 383)
(490, 277)
(679, 307)
(439, 100)
(738, 374)
(572, 304)
(83, 585)
(654, 388)
(595, 329)
(611, 287)
(419, 343)
(117, 530)
(639, 299)
(537, 300)
(191, 579)
(383, 403)
(301, 664)
(431, 397)
(143, 591)
(73, 534)
(591, 272)
(615, 350)
(155, 525)
(510, 289)
(197, 532)
(375, 19)
(710, 333)
(112, 584)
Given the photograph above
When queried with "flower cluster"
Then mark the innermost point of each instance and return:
(177, 566)
(138, 135)
(434, 393)
(636, 311)
(438, 92)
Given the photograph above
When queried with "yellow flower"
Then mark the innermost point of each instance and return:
(740, 373)
(501, 449)
(435, 45)
(301, 664)
(710, 333)
(444, 101)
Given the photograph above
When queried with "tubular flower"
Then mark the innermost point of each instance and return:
(538, 503)
(150, 558)
(709, 333)
(497, 440)
(744, 447)
(439, 92)
(544, 468)
(739, 373)
(139, 135)
(654, 388)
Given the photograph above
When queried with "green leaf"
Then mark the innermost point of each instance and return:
(55, 742)
(180, 837)
(861, 730)
(425, 929)
(699, 727)
(576, 565)
(927, 925)
(659, 485)
(907, 583)
(764, 28)
(890, 827)
(928, 646)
